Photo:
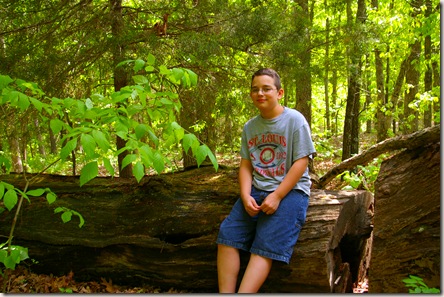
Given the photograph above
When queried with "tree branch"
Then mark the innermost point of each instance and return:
(410, 141)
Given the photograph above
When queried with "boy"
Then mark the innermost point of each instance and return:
(274, 189)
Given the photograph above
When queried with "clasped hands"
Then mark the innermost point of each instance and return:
(268, 206)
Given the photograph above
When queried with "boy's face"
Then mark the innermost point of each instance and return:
(265, 96)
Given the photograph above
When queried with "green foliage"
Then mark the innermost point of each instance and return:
(364, 177)
(89, 127)
(12, 255)
(418, 286)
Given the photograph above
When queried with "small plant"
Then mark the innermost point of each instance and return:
(417, 285)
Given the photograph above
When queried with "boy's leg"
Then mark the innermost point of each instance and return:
(256, 273)
(228, 265)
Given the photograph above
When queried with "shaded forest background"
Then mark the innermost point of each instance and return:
(353, 68)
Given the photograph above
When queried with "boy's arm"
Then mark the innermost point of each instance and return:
(245, 182)
(271, 203)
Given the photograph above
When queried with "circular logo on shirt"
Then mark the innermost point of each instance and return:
(267, 155)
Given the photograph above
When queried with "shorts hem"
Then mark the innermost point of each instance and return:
(234, 244)
(269, 255)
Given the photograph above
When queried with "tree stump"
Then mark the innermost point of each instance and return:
(407, 221)
(162, 232)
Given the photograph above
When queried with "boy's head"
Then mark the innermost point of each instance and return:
(269, 72)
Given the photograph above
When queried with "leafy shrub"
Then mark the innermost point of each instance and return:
(417, 285)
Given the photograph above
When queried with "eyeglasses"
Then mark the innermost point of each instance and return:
(265, 90)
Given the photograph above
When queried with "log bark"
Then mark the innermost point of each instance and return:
(410, 141)
(162, 232)
(407, 221)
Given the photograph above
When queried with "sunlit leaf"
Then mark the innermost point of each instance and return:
(36, 192)
(68, 148)
(138, 171)
(10, 199)
(88, 143)
(88, 172)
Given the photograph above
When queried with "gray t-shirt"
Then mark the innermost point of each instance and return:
(273, 145)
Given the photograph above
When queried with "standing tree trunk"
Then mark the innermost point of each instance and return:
(120, 78)
(383, 121)
(410, 122)
(351, 122)
(326, 71)
(303, 79)
(428, 75)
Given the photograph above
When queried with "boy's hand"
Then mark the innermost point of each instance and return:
(251, 206)
(270, 204)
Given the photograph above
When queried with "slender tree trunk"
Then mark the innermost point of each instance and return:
(334, 97)
(326, 71)
(120, 77)
(382, 119)
(351, 122)
(436, 84)
(410, 122)
(368, 95)
(303, 80)
(386, 95)
(428, 75)
(14, 145)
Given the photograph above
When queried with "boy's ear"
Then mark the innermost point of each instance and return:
(281, 93)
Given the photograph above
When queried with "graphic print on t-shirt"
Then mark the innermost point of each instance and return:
(268, 153)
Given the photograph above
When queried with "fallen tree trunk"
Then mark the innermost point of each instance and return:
(407, 221)
(411, 141)
(162, 232)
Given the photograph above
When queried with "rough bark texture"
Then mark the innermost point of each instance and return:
(163, 231)
(407, 221)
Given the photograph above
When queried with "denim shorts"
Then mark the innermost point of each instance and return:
(271, 236)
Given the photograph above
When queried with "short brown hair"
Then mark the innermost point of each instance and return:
(270, 72)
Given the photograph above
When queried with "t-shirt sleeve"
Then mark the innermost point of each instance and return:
(244, 152)
(302, 143)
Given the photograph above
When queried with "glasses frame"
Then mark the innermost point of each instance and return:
(265, 90)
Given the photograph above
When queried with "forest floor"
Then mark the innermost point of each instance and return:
(23, 280)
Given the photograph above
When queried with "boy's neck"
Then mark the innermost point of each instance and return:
(275, 112)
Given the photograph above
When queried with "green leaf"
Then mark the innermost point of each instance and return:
(68, 148)
(140, 79)
(158, 162)
(153, 137)
(151, 59)
(141, 130)
(88, 172)
(88, 103)
(89, 144)
(201, 154)
(192, 76)
(37, 104)
(178, 73)
(189, 140)
(138, 171)
(10, 199)
(66, 216)
(101, 140)
(2, 190)
(138, 64)
(128, 160)
(56, 125)
(108, 166)
(23, 102)
(124, 63)
(51, 197)
(4, 81)
(164, 70)
(36, 192)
